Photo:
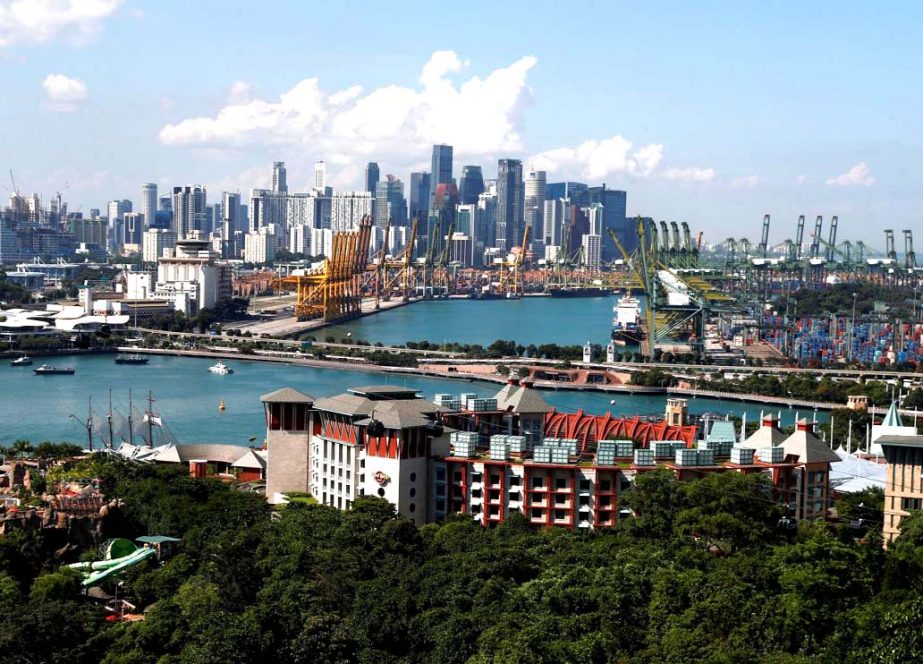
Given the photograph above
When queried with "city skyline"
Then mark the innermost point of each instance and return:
(785, 117)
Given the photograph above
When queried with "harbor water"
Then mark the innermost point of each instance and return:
(530, 320)
(38, 408)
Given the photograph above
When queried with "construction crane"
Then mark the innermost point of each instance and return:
(831, 241)
(799, 237)
(380, 265)
(764, 238)
(440, 270)
(910, 258)
(730, 254)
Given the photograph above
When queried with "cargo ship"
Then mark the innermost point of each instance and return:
(626, 322)
(578, 291)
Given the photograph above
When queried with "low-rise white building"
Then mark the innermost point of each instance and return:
(189, 277)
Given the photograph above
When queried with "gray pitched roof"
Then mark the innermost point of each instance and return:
(287, 395)
(521, 400)
(393, 413)
(384, 391)
(765, 436)
(808, 448)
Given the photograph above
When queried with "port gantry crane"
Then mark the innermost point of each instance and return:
(509, 283)
(677, 302)
(333, 291)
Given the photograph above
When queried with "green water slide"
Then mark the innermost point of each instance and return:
(118, 565)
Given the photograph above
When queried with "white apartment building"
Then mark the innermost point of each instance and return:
(592, 248)
(155, 241)
(347, 209)
(260, 246)
(188, 276)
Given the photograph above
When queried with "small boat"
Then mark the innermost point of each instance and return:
(220, 368)
(23, 361)
(221, 405)
(131, 359)
(48, 370)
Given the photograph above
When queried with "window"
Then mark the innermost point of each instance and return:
(440, 506)
(584, 500)
(349, 454)
(381, 492)
(538, 482)
(456, 476)
(413, 492)
(494, 478)
(348, 474)
(413, 477)
(339, 472)
(495, 510)
(560, 483)
(908, 504)
(340, 453)
(560, 500)
(440, 489)
(605, 501)
(413, 507)
(440, 474)
(515, 480)
(475, 477)
(605, 485)
(514, 496)
(584, 485)
(475, 493)
(560, 515)
(348, 488)
(537, 514)
(475, 509)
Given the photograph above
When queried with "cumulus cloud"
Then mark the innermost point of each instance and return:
(745, 181)
(39, 21)
(479, 116)
(595, 160)
(689, 174)
(858, 176)
(63, 92)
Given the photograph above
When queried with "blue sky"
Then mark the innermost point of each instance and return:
(712, 113)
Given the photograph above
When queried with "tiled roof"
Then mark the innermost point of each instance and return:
(287, 395)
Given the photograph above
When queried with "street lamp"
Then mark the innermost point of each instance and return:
(852, 327)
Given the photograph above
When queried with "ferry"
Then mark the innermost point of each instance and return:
(132, 359)
(23, 361)
(221, 369)
(48, 370)
(626, 323)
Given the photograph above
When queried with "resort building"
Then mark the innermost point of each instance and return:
(491, 457)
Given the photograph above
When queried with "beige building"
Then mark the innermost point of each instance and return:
(903, 480)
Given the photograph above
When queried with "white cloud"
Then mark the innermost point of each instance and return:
(39, 21)
(745, 182)
(479, 116)
(241, 92)
(858, 176)
(689, 174)
(63, 92)
(595, 160)
(802, 179)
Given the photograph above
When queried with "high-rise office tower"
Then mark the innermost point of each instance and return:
(510, 202)
(419, 196)
(536, 184)
(279, 183)
(320, 176)
(117, 210)
(149, 203)
(371, 177)
(614, 218)
(230, 224)
(188, 210)
(165, 203)
(441, 172)
(471, 185)
(390, 202)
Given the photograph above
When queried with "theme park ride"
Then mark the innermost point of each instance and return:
(120, 555)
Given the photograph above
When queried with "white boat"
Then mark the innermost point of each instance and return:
(626, 324)
(220, 368)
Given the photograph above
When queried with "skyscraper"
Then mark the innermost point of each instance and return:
(536, 184)
(419, 196)
(441, 172)
(389, 202)
(230, 224)
(471, 185)
(279, 184)
(614, 218)
(149, 203)
(371, 177)
(188, 210)
(320, 176)
(510, 202)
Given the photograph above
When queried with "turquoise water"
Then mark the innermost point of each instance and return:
(530, 320)
(38, 407)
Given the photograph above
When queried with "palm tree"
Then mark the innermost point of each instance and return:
(21, 448)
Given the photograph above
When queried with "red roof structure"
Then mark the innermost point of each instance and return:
(588, 429)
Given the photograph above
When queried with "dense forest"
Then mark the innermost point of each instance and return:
(703, 572)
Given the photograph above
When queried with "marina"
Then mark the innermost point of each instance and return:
(189, 397)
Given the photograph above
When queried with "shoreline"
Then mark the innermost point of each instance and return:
(294, 360)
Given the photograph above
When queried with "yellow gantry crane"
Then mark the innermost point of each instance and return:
(332, 292)
(510, 281)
